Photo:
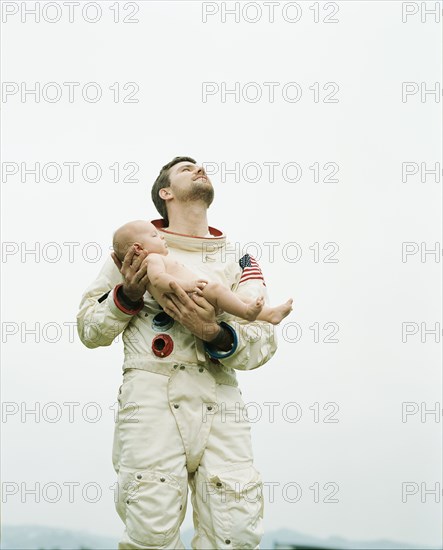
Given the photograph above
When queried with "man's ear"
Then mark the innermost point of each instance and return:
(165, 193)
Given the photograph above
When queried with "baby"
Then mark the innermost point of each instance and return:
(161, 270)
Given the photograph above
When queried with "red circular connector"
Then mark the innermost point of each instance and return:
(162, 345)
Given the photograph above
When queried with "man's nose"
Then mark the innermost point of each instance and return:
(201, 170)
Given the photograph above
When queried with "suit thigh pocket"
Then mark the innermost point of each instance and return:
(236, 502)
(150, 504)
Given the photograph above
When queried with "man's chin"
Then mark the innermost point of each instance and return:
(204, 192)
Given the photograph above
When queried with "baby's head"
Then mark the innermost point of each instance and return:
(140, 233)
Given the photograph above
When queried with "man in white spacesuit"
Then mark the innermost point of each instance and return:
(181, 415)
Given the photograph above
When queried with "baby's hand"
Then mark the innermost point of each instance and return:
(194, 285)
(198, 285)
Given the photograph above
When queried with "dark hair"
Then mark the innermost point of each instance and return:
(163, 181)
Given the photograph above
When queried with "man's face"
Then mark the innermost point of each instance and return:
(189, 182)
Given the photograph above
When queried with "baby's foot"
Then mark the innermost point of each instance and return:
(280, 312)
(254, 308)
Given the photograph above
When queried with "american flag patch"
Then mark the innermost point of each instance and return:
(251, 269)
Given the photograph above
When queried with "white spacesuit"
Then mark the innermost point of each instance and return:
(181, 415)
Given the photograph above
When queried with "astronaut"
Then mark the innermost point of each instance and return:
(182, 421)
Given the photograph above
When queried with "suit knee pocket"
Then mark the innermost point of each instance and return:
(236, 502)
(149, 504)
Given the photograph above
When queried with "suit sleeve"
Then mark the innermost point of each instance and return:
(254, 343)
(102, 317)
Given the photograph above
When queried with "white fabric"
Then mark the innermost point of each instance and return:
(170, 446)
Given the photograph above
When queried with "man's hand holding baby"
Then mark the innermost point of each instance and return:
(134, 271)
(196, 314)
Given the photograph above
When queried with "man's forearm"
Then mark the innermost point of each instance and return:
(100, 319)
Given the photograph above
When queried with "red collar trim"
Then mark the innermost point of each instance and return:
(212, 230)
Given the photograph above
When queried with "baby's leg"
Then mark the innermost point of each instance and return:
(222, 298)
(275, 314)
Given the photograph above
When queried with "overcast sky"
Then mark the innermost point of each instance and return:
(322, 148)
